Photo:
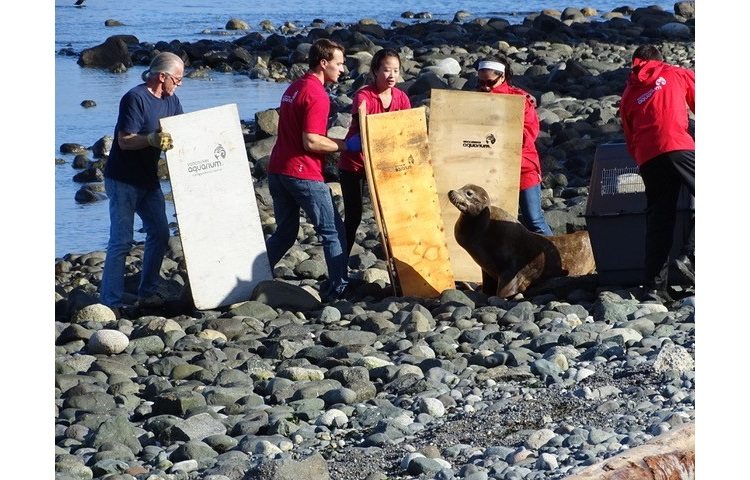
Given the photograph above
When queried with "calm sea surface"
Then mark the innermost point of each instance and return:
(84, 228)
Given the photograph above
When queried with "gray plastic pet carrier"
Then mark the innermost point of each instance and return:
(616, 217)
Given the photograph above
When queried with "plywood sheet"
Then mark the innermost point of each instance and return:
(475, 138)
(401, 175)
(374, 200)
(214, 198)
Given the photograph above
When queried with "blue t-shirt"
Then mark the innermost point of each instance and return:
(140, 112)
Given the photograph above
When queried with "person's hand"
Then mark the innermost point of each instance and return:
(354, 143)
(160, 140)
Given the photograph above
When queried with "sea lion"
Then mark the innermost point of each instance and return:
(511, 257)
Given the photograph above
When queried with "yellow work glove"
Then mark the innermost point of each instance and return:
(160, 140)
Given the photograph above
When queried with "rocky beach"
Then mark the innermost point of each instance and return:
(466, 386)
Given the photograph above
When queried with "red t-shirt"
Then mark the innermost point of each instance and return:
(304, 108)
(355, 161)
(653, 109)
(531, 170)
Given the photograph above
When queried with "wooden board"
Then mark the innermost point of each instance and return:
(475, 138)
(374, 200)
(400, 175)
(217, 214)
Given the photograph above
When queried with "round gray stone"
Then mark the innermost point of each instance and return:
(108, 342)
(94, 313)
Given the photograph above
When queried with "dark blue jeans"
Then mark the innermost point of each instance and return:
(125, 200)
(315, 199)
(530, 203)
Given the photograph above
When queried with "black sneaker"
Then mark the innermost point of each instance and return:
(152, 301)
(349, 292)
(685, 266)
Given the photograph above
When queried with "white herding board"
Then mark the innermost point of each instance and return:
(214, 199)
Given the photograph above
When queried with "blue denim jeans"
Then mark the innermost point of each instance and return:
(125, 200)
(314, 198)
(530, 203)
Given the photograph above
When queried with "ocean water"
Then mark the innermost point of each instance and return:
(85, 228)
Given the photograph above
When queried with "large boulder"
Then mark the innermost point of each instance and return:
(426, 82)
(261, 148)
(685, 9)
(80, 161)
(651, 17)
(267, 122)
(72, 148)
(102, 147)
(676, 30)
(91, 174)
(91, 192)
(237, 24)
(112, 52)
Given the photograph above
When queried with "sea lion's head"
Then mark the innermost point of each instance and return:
(470, 199)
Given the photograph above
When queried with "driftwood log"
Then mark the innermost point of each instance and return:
(670, 456)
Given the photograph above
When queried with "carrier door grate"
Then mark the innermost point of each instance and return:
(617, 181)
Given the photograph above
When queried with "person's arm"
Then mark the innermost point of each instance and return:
(132, 141)
(359, 97)
(690, 90)
(316, 109)
(622, 112)
(131, 119)
(626, 121)
(136, 141)
(530, 121)
(315, 143)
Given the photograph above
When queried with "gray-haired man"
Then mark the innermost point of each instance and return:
(132, 183)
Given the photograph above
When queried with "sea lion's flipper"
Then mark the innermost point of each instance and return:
(510, 288)
(522, 279)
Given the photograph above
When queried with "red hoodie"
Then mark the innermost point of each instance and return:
(531, 170)
(654, 107)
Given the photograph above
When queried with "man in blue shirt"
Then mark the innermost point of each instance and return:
(132, 184)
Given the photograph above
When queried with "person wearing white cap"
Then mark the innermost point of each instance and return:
(494, 76)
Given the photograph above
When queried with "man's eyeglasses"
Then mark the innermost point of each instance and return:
(177, 81)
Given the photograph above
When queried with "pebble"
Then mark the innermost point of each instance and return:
(432, 407)
(108, 342)
(539, 438)
(94, 313)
